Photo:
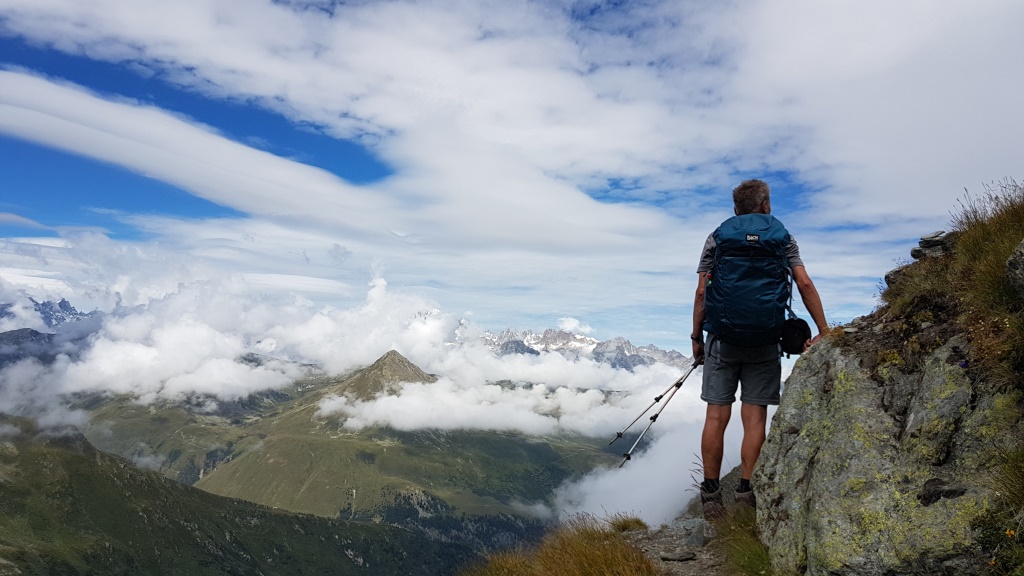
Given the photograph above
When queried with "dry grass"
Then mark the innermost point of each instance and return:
(626, 523)
(581, 546)
(974, 282)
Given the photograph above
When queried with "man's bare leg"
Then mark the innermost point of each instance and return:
(712, 441)
(754, 418)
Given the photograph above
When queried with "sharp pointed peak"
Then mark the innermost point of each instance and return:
(384, 374)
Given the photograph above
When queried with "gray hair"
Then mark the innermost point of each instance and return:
(749, 195)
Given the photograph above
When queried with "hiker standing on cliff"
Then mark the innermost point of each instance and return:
(745, 277)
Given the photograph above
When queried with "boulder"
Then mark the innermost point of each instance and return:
(1015, 268)
(875, 473)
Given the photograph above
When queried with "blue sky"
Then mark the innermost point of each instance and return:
(514, 163)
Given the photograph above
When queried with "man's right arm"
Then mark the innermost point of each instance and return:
(697, 334)
(812, 302)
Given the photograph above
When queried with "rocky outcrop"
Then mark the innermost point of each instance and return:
(1015, 268)
(934, 245)
(871, 465)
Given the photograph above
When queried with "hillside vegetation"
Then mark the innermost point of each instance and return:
(67, 508)
(276, 449)
(972, 286)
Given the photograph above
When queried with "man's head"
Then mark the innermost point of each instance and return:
(752, 197)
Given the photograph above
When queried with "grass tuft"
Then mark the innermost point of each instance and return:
(625, 523)
(739, 544)
(1002, 533)
(581, 546)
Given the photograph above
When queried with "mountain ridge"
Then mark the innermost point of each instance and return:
(69, 508)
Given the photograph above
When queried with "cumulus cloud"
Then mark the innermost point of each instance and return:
(573, 325)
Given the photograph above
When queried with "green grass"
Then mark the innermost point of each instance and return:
(67, 508)
(739, 545)
(1002, 533)
(581, 546)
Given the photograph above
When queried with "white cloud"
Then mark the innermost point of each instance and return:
(573, 325)
(495, 123)
(9, 219)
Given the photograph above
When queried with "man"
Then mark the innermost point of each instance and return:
(757, 367)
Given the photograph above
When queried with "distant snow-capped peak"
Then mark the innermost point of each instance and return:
(618, 352)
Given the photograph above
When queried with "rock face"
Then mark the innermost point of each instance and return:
(873, 469)
(1015, 268)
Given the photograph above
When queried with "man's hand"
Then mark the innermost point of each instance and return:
(698, 353)
(813, 341)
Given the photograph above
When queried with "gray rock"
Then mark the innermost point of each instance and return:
(697, 538)
(933, 239)
(1015, 268)
(678, 555)
(694, 530)
(861, 477)
(933, 245)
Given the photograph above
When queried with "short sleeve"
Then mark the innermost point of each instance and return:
(707, 255)
(793, 253)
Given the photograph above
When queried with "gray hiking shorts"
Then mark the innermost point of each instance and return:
(725, 366)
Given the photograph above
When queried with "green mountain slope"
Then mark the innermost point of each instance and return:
(68, 508)
(276, 450)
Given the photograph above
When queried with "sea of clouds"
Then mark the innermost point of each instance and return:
(186, 345)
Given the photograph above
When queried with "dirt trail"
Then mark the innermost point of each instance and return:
(669, 541)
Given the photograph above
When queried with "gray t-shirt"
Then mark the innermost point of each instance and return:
(707, 256)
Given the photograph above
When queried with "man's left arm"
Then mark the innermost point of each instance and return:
(809, 294)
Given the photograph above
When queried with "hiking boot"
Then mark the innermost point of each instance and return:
(712, 504)
(746, 498)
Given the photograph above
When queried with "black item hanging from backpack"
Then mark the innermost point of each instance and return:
(795, 333)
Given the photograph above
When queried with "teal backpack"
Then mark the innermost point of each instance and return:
(748, 289)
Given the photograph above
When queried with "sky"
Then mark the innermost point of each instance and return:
(323, 181)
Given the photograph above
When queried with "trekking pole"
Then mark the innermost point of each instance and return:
(654, 418)
(657, 399)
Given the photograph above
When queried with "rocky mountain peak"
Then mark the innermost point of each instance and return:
(384, 376)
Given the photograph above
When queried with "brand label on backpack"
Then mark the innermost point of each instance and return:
(753, 238)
